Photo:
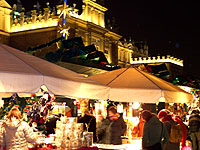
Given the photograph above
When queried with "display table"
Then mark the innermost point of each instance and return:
(83, 148)
(135, 144)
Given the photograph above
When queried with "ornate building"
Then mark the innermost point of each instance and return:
(21, 31)
(127, 51)
(163, 67)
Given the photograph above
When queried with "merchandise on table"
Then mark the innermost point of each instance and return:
(69, 134)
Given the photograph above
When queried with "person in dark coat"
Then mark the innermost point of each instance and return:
(89, 124)
(51, 124)
(154, 132)
(194, 128)
(112, 128)
(168, 122)
(88, 120)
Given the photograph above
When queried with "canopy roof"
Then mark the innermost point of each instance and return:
(130, 84)
(24, 73)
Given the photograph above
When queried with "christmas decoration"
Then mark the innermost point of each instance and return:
(65, 12)
(64, 31)
(40, 108)
(13, 101)
(30, 101)
(38, 48)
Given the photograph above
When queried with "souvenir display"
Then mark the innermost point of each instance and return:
(69, 134)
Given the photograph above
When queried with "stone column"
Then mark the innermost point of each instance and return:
(88, 16)
(83, 13)
(1, 18)
(119, 54)
(7, 19)
(114, 53)
(92, 15)
(99, 18)
(102, 20)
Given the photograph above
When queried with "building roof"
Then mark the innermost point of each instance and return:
(4, 4)
(89, 71)
(28, 4)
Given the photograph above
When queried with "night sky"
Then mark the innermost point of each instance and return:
(169, 27)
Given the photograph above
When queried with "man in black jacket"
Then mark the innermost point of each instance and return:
(194, 126)
(111, 129)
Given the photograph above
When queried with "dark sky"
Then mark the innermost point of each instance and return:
(169, 27)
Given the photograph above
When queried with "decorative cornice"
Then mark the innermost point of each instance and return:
(39, 30)
(94, 4)
(158, 59)
(4, 33)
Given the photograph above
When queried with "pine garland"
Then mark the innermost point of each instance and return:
(38, 48)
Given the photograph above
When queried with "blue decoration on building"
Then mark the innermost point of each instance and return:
(64, 17)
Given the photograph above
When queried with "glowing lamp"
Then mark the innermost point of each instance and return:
(136, 105)
(161, 99)
(45, 96)
(120, 108)
(97, 106)
(1, 103)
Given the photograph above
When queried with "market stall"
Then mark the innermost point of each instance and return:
(132, 86)
(24, 73)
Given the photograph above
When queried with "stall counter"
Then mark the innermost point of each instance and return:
(135, 144)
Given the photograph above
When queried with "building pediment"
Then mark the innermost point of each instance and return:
(4, 4)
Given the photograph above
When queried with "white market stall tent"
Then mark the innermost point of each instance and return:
(132, 85)
(24, 73)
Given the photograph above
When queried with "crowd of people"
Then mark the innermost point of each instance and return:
(167, 131)
(162, 131)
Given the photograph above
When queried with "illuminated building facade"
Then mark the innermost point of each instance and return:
(169, 66)
(24, 32)
(127, 51)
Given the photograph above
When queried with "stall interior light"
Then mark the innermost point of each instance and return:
(97, 106)
(161, 99)
(136, 105)
(120, 108)
(1, 103)
(45, 96)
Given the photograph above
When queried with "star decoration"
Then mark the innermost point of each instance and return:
(65, 11)
(65, 32)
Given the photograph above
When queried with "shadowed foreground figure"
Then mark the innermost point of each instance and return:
(154, 132)
(111, 129)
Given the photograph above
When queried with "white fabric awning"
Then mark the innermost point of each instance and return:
(130, 85)
(24, 73)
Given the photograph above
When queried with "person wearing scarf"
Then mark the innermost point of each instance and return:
(168, 121)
